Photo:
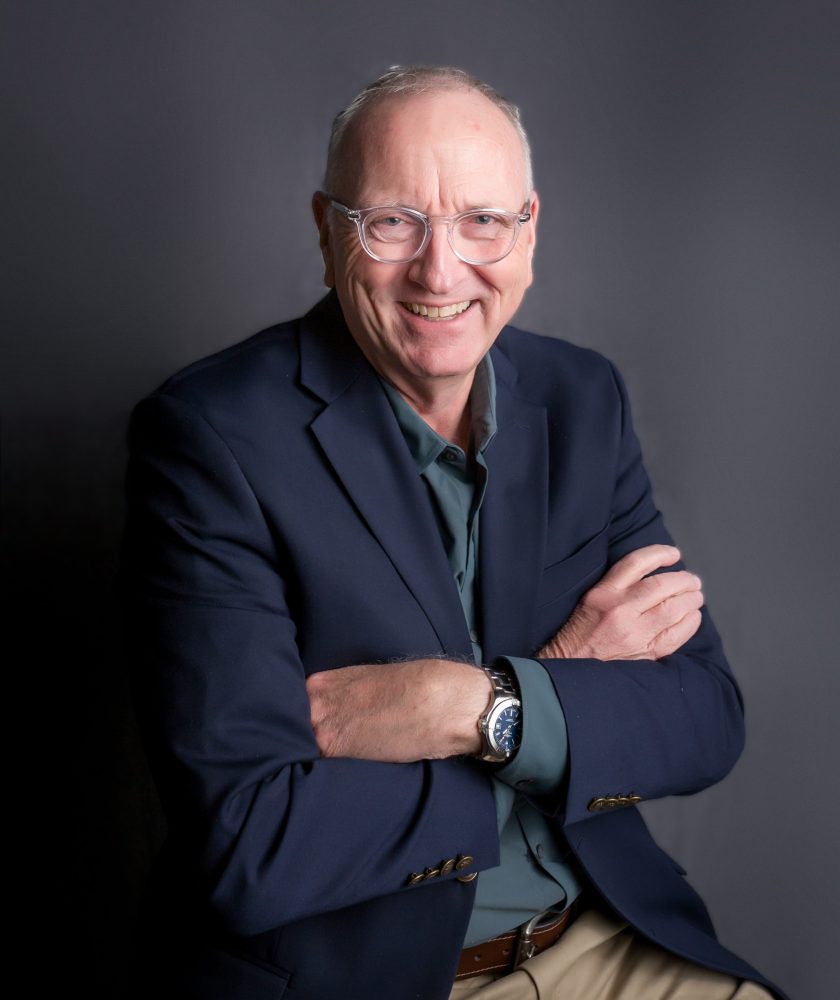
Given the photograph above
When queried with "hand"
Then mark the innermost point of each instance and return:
(399, 711)
(629, 615)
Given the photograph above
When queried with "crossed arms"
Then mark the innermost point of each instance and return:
(430, 708)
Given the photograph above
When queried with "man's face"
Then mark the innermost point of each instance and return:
(441, 153)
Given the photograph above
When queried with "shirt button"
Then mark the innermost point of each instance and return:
(540, 851)
(473, 635)
(450, 455)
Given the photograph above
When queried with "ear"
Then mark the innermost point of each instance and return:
(531, 227)
(320, 209)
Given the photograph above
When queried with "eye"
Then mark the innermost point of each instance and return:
(392, 226)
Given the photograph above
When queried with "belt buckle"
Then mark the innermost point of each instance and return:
(526, 948)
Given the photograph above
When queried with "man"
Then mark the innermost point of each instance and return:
(331, 525)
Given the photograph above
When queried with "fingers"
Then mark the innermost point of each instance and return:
(672, 610)
(671, 638)
(652, 591)
(636, 565)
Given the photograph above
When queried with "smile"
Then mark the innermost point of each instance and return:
(437, 312)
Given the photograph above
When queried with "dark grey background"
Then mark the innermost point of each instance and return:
(161, 158)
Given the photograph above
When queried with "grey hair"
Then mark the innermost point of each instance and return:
(402, 81)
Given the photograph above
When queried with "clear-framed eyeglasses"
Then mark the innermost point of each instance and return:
(395, 234)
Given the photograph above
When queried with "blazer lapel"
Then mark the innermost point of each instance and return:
(514, 519)
(362, 441)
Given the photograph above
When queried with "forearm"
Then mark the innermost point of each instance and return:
(399, 712)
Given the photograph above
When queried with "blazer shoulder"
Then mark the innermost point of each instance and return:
(259, 357)
(246, 370)
(544, 365)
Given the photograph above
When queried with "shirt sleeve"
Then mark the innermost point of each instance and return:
(539, 766)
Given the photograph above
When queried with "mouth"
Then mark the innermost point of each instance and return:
(437, 312)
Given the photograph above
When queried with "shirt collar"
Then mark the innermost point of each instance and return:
(425, 444)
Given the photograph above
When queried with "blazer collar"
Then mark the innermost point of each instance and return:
(329, 358)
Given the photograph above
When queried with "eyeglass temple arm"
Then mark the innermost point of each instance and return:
(349, 213)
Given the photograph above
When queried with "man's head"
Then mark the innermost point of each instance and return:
(442, 143)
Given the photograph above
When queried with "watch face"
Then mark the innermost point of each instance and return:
(507, 729)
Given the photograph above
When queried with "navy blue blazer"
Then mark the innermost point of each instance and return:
(277, 527)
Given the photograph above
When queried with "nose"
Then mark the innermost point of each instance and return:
(437, 269)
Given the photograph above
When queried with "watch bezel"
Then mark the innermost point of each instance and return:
(493, 717)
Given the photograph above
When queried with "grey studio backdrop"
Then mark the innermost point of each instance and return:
(161, 158)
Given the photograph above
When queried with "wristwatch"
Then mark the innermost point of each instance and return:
(501, 725)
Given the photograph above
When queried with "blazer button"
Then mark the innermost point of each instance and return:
(431, 873)
(415, 878)
(447, 866)
(613, 802)
(468, 878)
(464, 861)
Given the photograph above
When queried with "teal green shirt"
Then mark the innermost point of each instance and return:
(536, 870)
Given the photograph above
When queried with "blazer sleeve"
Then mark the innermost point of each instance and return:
(273, 832)
(640, 729)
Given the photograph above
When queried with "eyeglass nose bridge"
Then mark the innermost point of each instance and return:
(427, 236)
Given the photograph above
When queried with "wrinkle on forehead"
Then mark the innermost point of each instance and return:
(442, 152)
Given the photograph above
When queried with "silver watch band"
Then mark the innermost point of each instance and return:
(502, 683)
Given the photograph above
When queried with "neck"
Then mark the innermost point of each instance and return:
(445, 408)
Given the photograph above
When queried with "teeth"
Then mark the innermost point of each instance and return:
(436, 312)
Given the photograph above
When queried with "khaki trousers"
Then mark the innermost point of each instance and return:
(601, 958)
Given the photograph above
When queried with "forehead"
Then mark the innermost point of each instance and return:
(442, 151)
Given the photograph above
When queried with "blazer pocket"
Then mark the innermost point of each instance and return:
(578, 571)
(220, 974)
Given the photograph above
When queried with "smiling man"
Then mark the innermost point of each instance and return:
(457, 271)
(405, 660)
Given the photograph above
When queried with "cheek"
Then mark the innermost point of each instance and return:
(374, 286)
(508, 281)
(348, 261)
(520, 274)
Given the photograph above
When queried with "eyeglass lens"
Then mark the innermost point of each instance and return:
(479, 236)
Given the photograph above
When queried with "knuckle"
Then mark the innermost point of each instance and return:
(315, 684)
(634, 560)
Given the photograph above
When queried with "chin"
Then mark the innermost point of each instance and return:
(446, 364)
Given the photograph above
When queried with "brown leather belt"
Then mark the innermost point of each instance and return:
(505, 952)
